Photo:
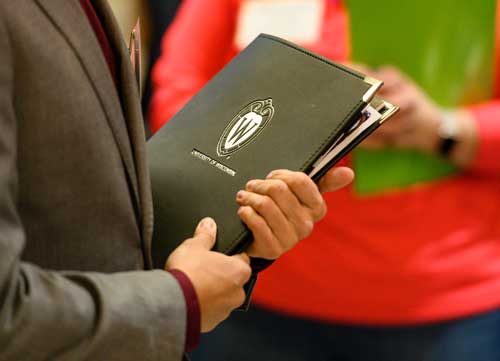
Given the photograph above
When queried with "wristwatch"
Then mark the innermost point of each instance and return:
(447, 131)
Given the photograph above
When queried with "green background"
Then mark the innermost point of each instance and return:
(446, 46)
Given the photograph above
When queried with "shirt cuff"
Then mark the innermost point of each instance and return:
(487, 116)
(193, 322)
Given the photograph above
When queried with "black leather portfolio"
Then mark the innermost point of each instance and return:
(275, 106)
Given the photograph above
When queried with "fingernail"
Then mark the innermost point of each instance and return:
(270, 175)
(207, 223)
(250, 185)
(240, 195)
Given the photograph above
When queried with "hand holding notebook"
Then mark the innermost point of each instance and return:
(275, 106)
(281, 209)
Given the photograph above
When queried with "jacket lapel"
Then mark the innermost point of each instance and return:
(70, 19)
(133, 116)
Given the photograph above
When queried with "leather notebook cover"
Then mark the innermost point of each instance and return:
(275, 106)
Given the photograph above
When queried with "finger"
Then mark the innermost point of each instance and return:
(389, 127)
(205, 233)
(243, 257)
(388, 68)
(400, 97)
(373, 142)
(232, 301)
(266, 207)
(281, 194)
(243, 271)
(335, 179)
(391, 76)
(406, 141)
(265, 244)
(303, 187)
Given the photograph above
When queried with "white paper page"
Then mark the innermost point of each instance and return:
(374, 116)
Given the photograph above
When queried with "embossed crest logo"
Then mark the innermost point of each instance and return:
(245, 126)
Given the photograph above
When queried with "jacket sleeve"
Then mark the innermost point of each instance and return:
(194, 49)
(73, 316)
(487, 117)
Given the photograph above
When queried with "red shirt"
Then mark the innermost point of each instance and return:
(427, 253)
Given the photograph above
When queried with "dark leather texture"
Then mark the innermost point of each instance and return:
(314, 101)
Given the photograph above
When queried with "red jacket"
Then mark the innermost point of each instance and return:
(427, 253)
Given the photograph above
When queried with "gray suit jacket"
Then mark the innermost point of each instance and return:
(75, 204)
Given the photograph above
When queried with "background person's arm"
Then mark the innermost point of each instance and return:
(194, 48)
(417, 125)
(486, 118)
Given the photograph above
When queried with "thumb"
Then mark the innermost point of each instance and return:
(336, 178)
(205, 233)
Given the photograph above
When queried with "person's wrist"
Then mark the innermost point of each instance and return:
(467, 139)
(448, 132)
(455, 136)
(430, 139)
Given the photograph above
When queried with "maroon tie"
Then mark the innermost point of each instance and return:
(96, 24)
